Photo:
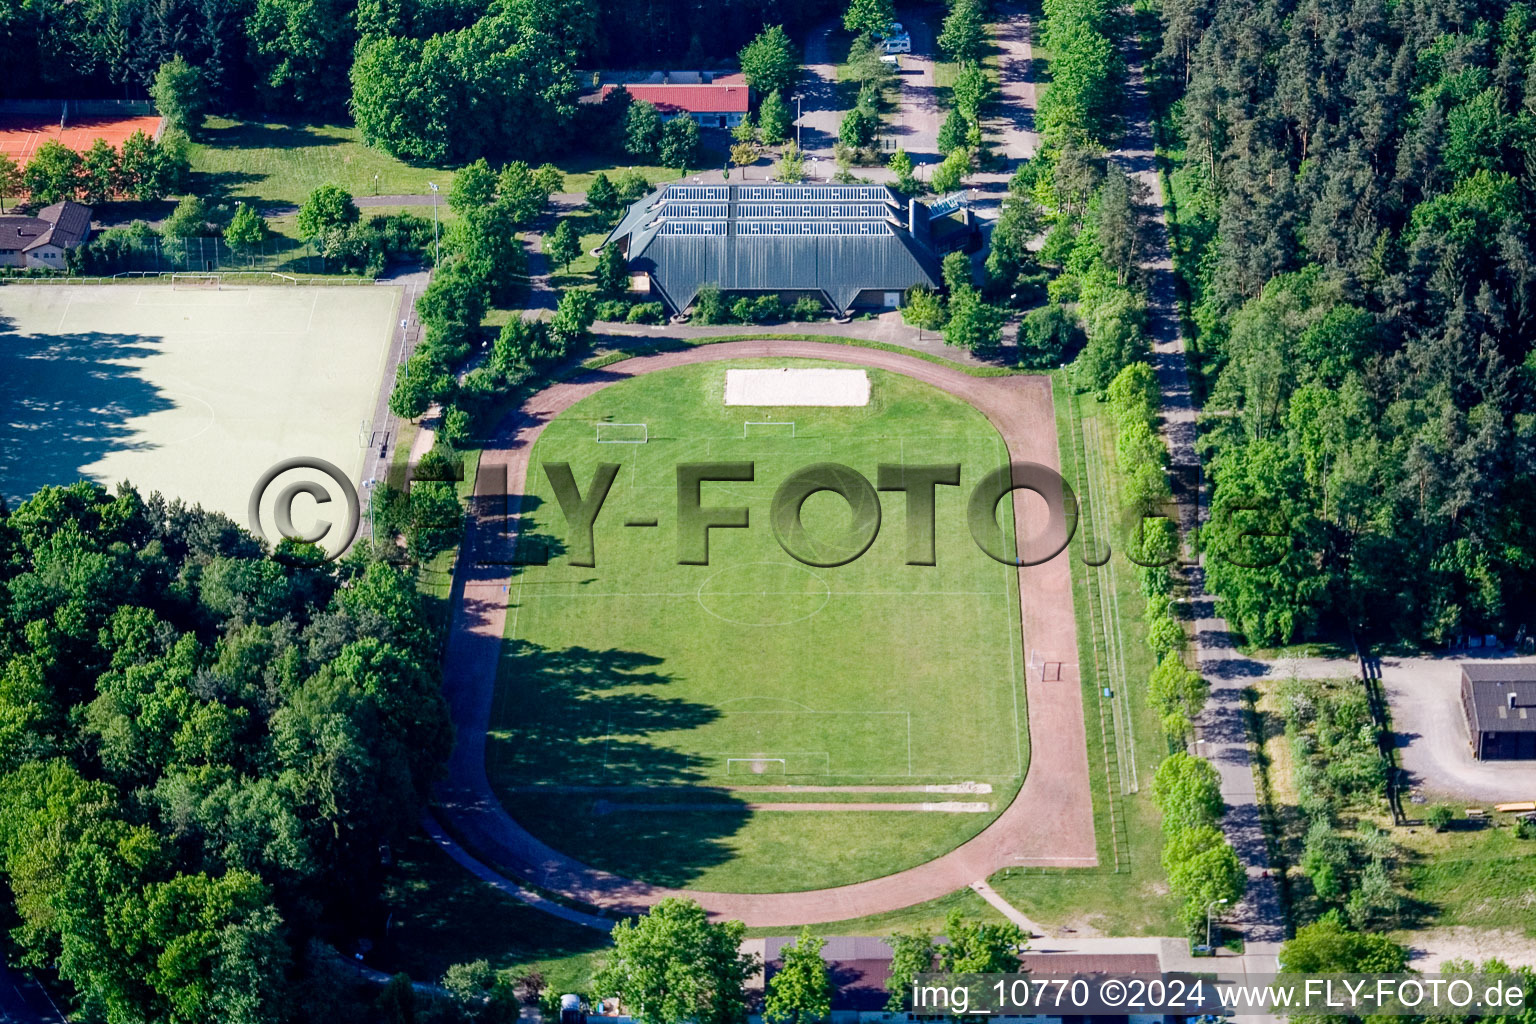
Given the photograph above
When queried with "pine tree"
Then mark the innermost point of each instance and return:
(612, 273)
(602, 196)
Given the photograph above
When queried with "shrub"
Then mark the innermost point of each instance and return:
(767, 308)
(709, 307)
(806, 308)
(742, 309)
(613, 310)
(646, 313)
(1045, 334)
(1440, 817)
(1525, 828)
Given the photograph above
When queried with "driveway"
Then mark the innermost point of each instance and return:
(915, 122)
(820, 108)
(1432, 738)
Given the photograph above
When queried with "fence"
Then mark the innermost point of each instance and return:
(82, 108)
(238, 277)
(202, 256)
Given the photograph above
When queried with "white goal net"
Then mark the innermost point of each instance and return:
(768, 428)
(622, 433)
(195, 281)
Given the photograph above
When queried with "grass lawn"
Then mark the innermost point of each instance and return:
(1128, 893)
(274, 163)
(443, 915)
(580, 168)
(593, 229)
(1478, 877)
(756, 669)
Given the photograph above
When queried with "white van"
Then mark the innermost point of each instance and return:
(897, 44)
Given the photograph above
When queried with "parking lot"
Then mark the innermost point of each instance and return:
(1433, 743)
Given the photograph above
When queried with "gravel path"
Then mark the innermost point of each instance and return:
(1222, 736)
(1050, 822)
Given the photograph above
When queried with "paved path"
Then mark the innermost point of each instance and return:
(1011, 126)
(915, 122)
(1008, 910)
(385, 428)
(1222, 736)
(1050, 822)
(821, 110)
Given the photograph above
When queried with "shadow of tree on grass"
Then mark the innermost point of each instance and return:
(67, 399)
(574, 738)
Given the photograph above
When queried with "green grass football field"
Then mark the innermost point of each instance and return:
(643, 704)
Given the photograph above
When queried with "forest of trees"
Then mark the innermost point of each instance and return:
(203, 750)
(431, 81)
(1356, 211)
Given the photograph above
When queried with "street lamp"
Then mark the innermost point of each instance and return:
(797, 98)
(437, 251)
(1208, 907)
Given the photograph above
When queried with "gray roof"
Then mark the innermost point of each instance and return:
(63, 224)
(1491, 686)
(835, 239)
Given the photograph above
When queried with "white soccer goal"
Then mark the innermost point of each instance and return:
(756, 766)
(623, 433)
(195, 281)
(768, 428)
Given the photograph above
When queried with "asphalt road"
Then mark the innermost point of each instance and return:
(22, 1001)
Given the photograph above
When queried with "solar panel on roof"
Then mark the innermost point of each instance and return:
(812, 227)
(693, 227)
(811, 210)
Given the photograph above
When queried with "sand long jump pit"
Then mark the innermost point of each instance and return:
(190, 392)
(785, 385)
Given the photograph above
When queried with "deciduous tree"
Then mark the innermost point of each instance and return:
(179, 95)
(800, 992)
(672, 964)
(769, 61)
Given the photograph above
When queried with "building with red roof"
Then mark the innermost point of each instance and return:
(712, 105)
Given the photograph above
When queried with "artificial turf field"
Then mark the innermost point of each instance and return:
(190, 392)
(637, 689)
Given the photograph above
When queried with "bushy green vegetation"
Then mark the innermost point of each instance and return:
(1202, 867)
(202, 749)
(1340, 777)
(145, 170)
(1086, 67)
(1359, 266)
(711, 306)
(971, 948)
(484, 266)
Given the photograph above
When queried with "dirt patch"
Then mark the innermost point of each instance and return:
(1430, 948)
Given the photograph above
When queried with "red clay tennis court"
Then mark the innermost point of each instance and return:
(21, 134)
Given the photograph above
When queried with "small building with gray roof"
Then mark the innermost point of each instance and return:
(851, 246)
(1499, 701)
